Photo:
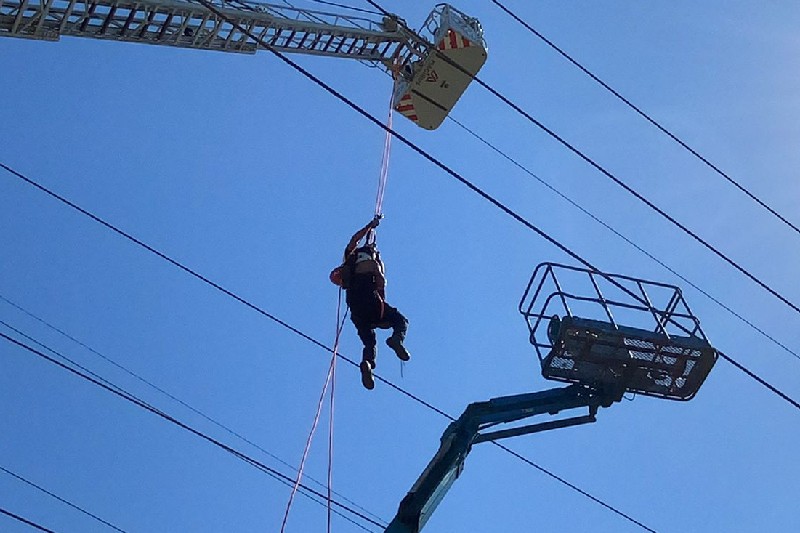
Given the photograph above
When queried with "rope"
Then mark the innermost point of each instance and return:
(384, 174)
(339, 325)
(387, 150)
(328, 381)
(332, 410)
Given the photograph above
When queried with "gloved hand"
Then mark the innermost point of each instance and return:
(375, 222)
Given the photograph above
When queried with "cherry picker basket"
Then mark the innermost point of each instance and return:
(613, 332)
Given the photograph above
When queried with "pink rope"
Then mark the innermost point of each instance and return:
(330, 423)
(328, 380)
(387, 150)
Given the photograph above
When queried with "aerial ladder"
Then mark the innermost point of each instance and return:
(604, 334)
(431, 68)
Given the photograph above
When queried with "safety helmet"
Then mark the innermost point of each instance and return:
(336, 276)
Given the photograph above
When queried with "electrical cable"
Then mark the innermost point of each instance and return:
(620, 235)
(463, 180)
(209, 282)
(186, 269)
(25, 521)
(432, 160)
(624, 238)
(165, 393)
(597, 167)
(144, 405)
(59, 498)
(352, 8)
(122, 391)
(647, 117)
(408, 143)
(570, 485)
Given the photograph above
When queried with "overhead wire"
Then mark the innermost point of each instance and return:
(25, 521)
(110, 385)
(59, 498)
(118, 391)
(705, 293)
(402, 139)
(624, 238)
(166, 394)
(597, 167)
(571, 485)
(415, 148)
(647, 117)
(343, 6)
(360, 110)
(245, 302)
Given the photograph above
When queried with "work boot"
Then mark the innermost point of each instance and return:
(367, 379)
(368, 354)
(395, 342)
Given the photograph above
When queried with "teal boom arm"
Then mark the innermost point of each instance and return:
(457, 440)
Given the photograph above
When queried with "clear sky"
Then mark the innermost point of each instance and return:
(243, 170)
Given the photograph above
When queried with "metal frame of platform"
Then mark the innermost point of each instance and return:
(614, 332)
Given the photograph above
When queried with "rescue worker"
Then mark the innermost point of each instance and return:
(364, 280)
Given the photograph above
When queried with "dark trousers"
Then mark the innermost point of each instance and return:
(368, 311)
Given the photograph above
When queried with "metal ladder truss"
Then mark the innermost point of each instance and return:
(188, 24)
(586, 330)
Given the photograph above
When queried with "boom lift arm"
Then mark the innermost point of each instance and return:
(456, 442)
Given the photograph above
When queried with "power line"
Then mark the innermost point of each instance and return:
(453, 173)
(647, 117)
(624, 238)
(25, 521)
(117, 388)
(165, 393)
(211, 283)
(59, 498)
(239, 298)
(415, 148)
(280, 478)
(426, 156)
(593, 164)
(343, 6)
(570, 485)
(144, 405)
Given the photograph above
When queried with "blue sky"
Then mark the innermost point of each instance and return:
(245, 171)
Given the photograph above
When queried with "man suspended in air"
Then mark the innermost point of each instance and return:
(362, 276)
